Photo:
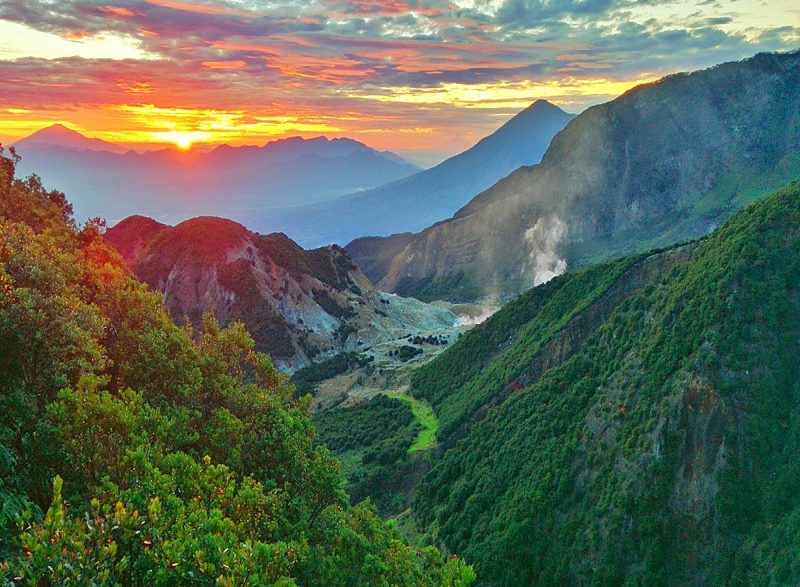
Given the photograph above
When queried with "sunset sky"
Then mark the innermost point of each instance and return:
(425, 78)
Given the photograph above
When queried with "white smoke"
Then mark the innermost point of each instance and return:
(543, 238)
(474, 319)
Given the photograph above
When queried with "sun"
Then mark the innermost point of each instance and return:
(183, 139)
(184, 143)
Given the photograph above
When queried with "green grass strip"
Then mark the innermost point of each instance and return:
(423, 412)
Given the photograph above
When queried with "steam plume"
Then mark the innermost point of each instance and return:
(543, 238)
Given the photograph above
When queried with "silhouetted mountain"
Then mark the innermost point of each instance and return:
(665, 162)
(59, 136)
(227, 181)
(417, 201)
(298, 305)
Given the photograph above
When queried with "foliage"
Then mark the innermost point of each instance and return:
(456, 287)
(160, 455)
(406, 352)
(265, 324)
(468, 374)
(330, 265)
(331, 306)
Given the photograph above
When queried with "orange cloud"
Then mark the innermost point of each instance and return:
(199, 8)
(237, 64)
(120, 11)
(136, 87)
(74, 35)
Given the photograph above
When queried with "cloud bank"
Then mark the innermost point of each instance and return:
(407, 74)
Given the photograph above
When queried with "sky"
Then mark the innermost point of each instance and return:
(423, 78)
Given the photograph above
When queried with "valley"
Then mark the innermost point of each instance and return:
(497, 431)
(636, 399)
(383, 367)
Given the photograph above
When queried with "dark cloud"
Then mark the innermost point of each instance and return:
(427, 40)
(528, 13)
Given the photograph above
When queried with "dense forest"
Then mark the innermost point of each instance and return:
(636, 423)
(137, 452)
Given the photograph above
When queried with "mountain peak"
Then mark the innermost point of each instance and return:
(542, 105)
(53, 132)
(56, 128)
(137, 220)
(537, 116)
(61, 136)
(131, 235)
(210, 224)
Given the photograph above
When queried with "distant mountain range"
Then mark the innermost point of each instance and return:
(103, 179)
(664, 162)
(298, 305)
(429, 196)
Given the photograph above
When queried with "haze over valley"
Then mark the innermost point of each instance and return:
(240, 182)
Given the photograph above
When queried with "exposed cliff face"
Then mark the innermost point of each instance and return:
(631, 423)
(663, 163)
(297, 304)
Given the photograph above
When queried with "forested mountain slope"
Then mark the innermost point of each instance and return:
(636, 423)
(663, 163)
(132, 453)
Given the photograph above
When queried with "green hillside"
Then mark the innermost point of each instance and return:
(636, 423)
(136, 452)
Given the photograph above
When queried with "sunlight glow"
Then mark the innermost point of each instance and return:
(181, 139)
(185, 126)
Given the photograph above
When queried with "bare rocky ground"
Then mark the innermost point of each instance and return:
(388, 371)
